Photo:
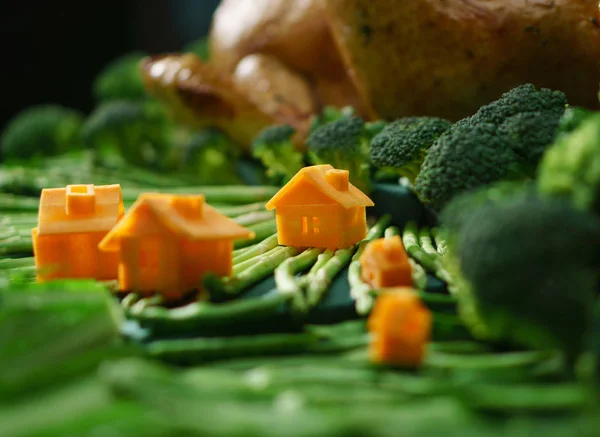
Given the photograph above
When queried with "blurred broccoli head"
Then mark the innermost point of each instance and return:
(274, 147)
(42, 130)
(140, 131)
(570, 168)
(503, 140)
(344, 144)
(211, 157)
(121, 80)
(526, 270)
(571, 119)
(402, 145)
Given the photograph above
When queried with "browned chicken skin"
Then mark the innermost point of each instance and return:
(279, 61)
(449, 57)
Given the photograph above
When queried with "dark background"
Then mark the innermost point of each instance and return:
(52, 49)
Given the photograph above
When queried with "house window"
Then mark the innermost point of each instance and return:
(315, 224)
(305, 225)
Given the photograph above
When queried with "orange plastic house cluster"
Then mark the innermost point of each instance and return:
(164, 243)
(319, 207)
(385, 263)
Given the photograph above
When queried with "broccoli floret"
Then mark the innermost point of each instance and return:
(211, 157)
(139, 131)
(274, 148)
(503, 140)
(330, 114)
(42, 130)
(200, 48)
(571, 119)
(571, 167)
(462, 206)
(402, 145)
(121, 80)
(526, 270)
(344, 144)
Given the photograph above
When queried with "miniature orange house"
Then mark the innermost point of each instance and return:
(385, 263)
(71, 223)
(319, 207)
(167, 242)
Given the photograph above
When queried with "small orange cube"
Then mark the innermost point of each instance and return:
(385, 263)
(401, 327)
(71, 223)
(319, 207)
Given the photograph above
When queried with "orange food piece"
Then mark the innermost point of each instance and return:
(385, 263)
(71, 223)
(166, 243)
(400, 326)
(319, 207)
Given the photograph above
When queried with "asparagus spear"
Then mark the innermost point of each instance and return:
(440, 242)
(258, 249)
(244, 265)
(13, 263)
(264, 265)
(426, 243)
(11, 202)
(17, 244)
(252, 218)
(262, 230)
(325, 275)
(433, 264)
(285, 278)
(238, 210)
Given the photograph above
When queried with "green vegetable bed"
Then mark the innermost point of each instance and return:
(78, 359)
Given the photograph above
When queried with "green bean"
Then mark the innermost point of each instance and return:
(197, 316)
(197, 350)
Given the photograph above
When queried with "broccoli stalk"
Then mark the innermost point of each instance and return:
(503, 140)
(402, 145)
(344, 144)
(42, 130)
(525, 270)
(274, 148)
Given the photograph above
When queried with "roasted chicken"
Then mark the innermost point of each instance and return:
(280, 61)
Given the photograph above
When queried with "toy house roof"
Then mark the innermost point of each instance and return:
(330, 182)
(79, 209)
(185, 215)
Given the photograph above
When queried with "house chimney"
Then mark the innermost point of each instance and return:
(190, 207)
(81, 200)
(337, 179)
